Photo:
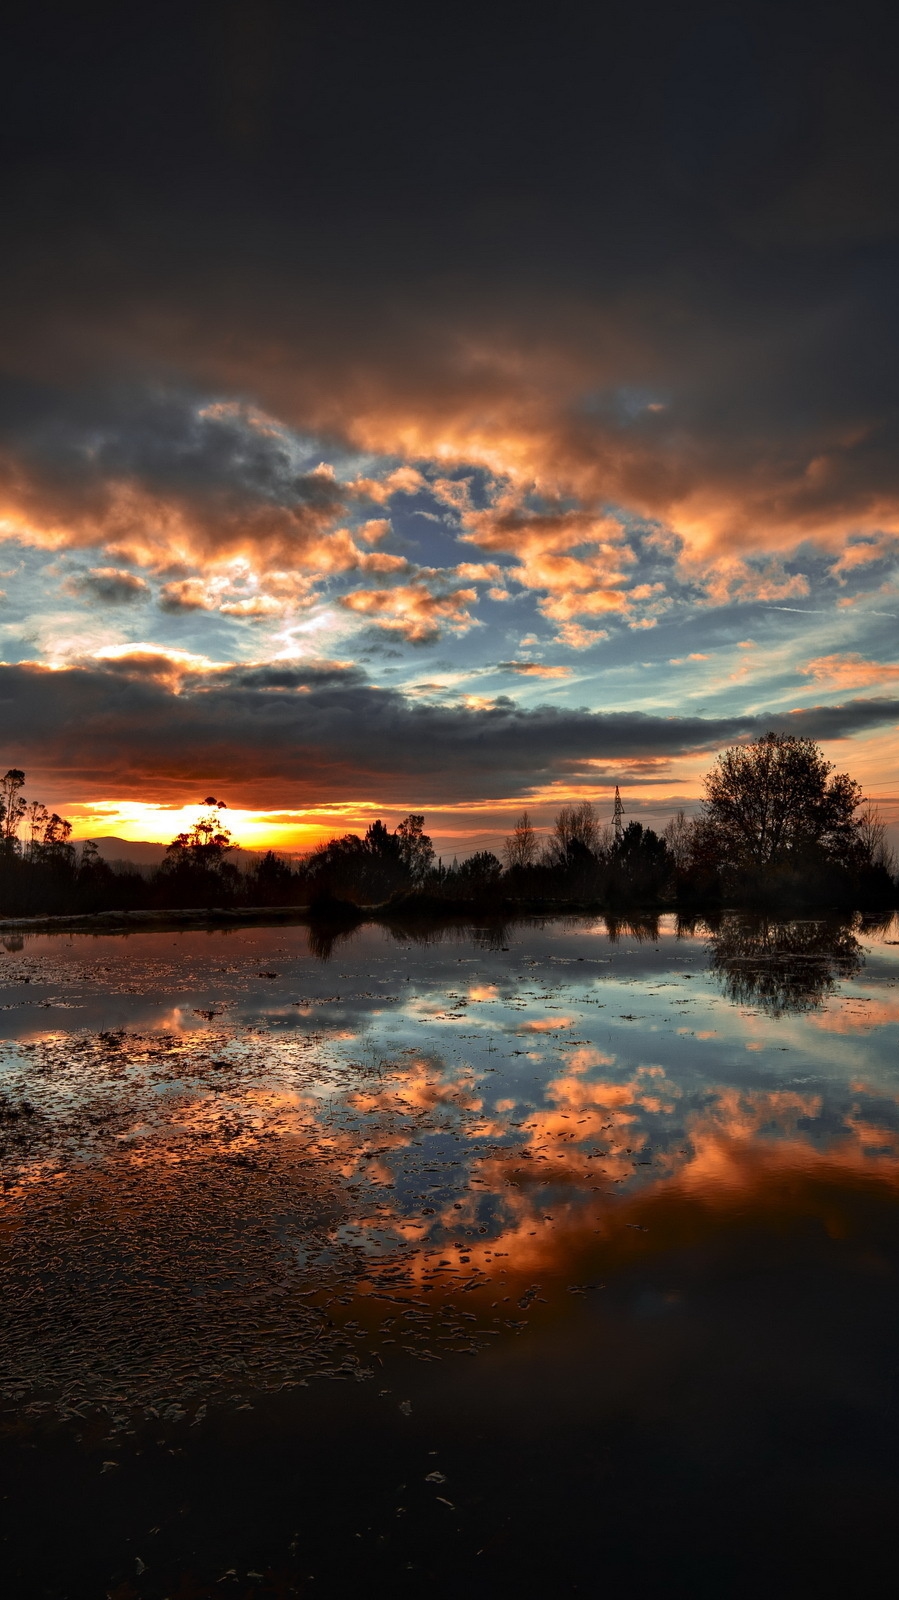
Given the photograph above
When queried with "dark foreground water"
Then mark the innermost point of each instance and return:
(516, 1260)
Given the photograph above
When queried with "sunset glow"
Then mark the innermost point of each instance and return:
(418, 525)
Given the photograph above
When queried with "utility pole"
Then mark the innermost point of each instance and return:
(617, 824)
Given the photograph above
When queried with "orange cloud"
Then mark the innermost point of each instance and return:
(850, 671)
(413, 610)
(577, 637)
(186, 594)
(534, 669)
(478, 571)
(861, 553)
(728, 579)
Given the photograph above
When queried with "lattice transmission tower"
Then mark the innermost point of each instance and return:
(618, 817)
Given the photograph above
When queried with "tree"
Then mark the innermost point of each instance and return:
(208, 841)
(416, 849)
(270, 881)
(54, 841)
(479, 874)
(374, 868)
(195, 870)
(576, 832)
(12, 805)
(641, 859)
(520, 848)
(677, 836)
(872, 835)
(775, 803)
(37, 816)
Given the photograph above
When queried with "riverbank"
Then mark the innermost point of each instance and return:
(411, 909)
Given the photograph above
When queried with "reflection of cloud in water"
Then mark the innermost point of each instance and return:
(547, 1024)
(195, 1208)
(857, 1014)
(483, 991)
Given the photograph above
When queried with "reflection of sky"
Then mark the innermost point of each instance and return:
(565, 1044)
(428, 1145)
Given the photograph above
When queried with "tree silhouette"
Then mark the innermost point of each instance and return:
(12, 804)
(521, 847)
(416, 849)
(774, 803)
(207, 842)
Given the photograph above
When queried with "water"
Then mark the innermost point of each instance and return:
(500, 1260)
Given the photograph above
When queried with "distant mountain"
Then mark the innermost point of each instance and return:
(143, 852)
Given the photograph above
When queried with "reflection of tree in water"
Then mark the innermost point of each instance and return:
(643, 929)
(782, 967)
(487, 933)
(324, 935)
(327, 933)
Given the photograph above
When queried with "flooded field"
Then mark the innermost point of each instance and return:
(506, 1259)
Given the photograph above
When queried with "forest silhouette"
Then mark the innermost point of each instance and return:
(777, 828)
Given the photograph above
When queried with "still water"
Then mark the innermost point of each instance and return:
(532, 1258)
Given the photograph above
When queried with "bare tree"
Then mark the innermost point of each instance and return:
(578, 827)
(521, 846)
(677, 834)
(872, 836)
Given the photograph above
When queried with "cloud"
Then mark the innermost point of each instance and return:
(178, 479)
(414, 610)
(185, 594)
(109, 585)
(681, 355)
(850, 671)
(154, 724)
(478, 571)
(730, 580)
(257, 605)
(533, 669)
(577, 637)
(862, 553)
(167, 666)
(159, 475)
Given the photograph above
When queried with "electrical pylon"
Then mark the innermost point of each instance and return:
(617, 823)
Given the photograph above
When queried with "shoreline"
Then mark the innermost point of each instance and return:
(344, 915)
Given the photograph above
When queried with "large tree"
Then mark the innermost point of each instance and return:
(778, 802)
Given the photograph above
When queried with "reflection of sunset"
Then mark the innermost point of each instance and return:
(857, 1015)
(547, 1024)
(433, 1155)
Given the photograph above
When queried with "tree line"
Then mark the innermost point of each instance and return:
(776, 826)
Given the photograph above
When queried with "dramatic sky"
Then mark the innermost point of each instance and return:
(408, 408)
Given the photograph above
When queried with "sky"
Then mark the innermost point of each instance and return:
(452, 412)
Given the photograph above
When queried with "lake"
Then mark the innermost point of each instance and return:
(518, 1258)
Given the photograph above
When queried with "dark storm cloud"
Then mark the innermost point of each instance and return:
(154, 467)
(307, 735)
(836, 722)
(649, 250)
